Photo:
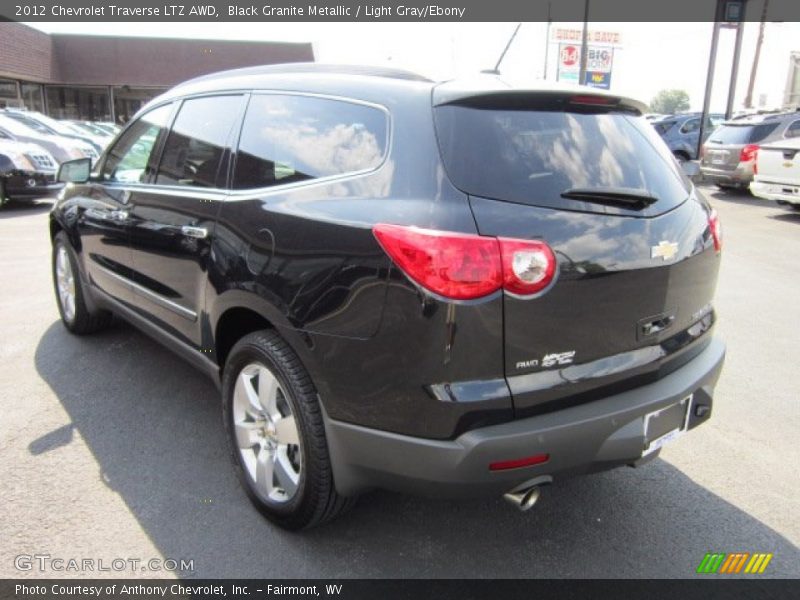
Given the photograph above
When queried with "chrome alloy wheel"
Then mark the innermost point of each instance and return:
(65, 282)
(266, 433)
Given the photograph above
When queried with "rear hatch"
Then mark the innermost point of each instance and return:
(780, 162)
(723, 149)
(637, 258)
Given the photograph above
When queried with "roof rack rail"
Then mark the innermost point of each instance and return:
(305, 67)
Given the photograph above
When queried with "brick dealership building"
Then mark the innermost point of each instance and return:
(104, 78)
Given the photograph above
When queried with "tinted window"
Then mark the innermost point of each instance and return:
(131, 158)
(294, 138)
(532, 156)
(742, 134)
(197, 141)
(793, 130)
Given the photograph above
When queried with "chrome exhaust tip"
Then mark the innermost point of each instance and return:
(524, 499)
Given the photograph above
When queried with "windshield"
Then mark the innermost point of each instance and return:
(534, 156)
(742, 134)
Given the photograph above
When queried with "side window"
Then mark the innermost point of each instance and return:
(131, 158)
(793, 130)
(691, 126)
(289, 138)
(198, 140)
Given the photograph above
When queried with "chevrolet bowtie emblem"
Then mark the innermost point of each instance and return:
(665, 250)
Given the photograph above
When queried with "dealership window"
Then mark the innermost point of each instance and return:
(32, 96)
(288, 138)
(128, 100)
(129, 161)
(79, 103)
(197, 141)
(8, 93)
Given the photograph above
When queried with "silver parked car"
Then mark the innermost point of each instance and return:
(729, 155)
(62, 148)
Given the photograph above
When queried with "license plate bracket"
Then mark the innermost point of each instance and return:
(666, 424)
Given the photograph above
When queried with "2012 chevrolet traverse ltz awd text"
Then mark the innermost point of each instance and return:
(449, 288)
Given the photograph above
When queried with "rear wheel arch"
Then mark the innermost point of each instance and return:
(232, 325)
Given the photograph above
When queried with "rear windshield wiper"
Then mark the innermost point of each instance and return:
(621, 197)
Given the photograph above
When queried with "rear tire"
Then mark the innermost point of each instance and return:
(3, 197)
(276, 434)
(70, 295)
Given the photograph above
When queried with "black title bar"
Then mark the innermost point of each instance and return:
(397, 10)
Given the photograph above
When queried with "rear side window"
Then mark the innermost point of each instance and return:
(690, 126)
(742, 134)
(793, 130)
(288, 138)
(194, 151)
(533, 156)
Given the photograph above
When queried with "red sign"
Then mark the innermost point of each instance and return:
(569, 56)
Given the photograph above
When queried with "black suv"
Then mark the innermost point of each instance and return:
(449, 289)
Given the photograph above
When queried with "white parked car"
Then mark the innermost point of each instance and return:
(777, 174)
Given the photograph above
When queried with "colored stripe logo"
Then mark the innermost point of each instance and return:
(732, 564)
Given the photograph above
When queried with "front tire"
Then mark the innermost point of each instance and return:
(72, 307)
(276, 433)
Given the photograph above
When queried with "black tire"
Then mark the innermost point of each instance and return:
(84, 321)
(315, 500)
(3, 198)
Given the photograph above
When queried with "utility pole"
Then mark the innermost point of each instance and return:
(712, 61)
(748, 99)
(737, 51)
(547, 41)
(584, 43)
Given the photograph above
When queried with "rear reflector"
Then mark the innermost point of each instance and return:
(461, 266)
(716, 229)
(529, 461)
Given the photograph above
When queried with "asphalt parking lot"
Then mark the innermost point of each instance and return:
(111, 447)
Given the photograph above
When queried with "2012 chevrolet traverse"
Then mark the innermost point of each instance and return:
(449, 289)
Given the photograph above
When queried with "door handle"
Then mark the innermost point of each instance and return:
(194, 232)
(119, 215)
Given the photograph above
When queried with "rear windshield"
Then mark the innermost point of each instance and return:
(533, 156)
(742, 134)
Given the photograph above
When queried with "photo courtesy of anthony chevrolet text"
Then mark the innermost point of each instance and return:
(399, 299)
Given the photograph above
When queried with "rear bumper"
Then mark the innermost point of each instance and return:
(590, 437)
(741, 175)
(776, 191)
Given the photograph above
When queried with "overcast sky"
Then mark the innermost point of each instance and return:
(653, 56)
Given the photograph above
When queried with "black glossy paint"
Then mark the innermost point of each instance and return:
(383, 353)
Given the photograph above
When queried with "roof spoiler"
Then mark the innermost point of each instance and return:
(545, 98)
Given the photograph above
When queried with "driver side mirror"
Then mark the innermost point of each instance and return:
(75, 171)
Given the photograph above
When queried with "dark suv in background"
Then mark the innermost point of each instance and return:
(448, 289)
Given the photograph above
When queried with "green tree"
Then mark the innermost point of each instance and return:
(668, 102)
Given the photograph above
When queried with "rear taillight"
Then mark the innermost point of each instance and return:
(716, 229)
(528, 266)
(462, 266)
(748, 153)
